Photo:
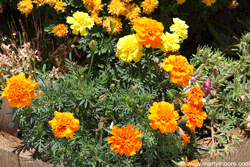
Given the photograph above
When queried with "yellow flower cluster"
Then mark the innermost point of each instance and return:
(80, 21)
(208, 2)
(178, 68)
(180, 28)
(19, 91)
(25, 7)
(193, 110)
(61, 30)
(128, 49)
(94, 7)
(64, 124)
(125, 140)
(149, 6)
(163, 116)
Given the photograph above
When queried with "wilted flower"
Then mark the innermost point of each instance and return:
(125, 140)
(19, 91)
(64, 124)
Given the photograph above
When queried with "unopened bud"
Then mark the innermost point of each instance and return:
(39, 94)
(77, 109)
(93, 45)
(73, 46)
(112, 25)
(112, 86)
(134, 88)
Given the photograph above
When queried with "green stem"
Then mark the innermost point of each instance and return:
(91, 63)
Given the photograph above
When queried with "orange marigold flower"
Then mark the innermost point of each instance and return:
(51, 3)
(118, 24)
(149, 6)
(61, 30)
(163, 116)
(60, 6)
(133, 12)
(116, 7)
(25, 7)
(97, 19)
(93, 6)
(19, 90)
(208, 2)
(195, 116)
(180, 1)
(125, 140)
(194, 163)
(178, 68)
(195, 96)
(64, 124)
(148, 32)
(185, 139)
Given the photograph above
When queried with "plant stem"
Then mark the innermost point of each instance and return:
(92, 58)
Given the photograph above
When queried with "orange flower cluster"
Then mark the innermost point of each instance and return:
(178, 68)
(148, 32)
(193, 110)
(61, 30)
(64, 124)
(125, 140)
(94, 7)
(19, 91)
(163, 116)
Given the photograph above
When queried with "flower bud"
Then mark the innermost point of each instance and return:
(112, 86)
(193, 79)
(112, 25)
(215, 69)
(39, 94)
(77, 109)
(134, 88)
(93, 45)
(213, 92)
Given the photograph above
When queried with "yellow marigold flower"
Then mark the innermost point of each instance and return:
(149, 6)
(163, 116)
(80, 21)
(125, 140)
(25, 7)
(208, 2)
(39, 2)
(129, 49)
(118, 25)
(195, 96)
(51, 3)
(19, 91)
(170, 42)
(133, 12)
(180, 1)
(61, 30)
(178, 68)
(195, 116)
(60, 6)
(116, 7)
(64, 124)
(180, 28)
(148, 32)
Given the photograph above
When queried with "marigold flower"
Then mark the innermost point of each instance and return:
(163, 116)
(80, 21)
(19, 90)
(178, 68)
(97, 19)
(60, 6)
(208, 2)
(25, 7)
(180, 28)
(117, 27)
(133, 12)
(180, 1)
(149, 6)
(129, 49)
(61, 30)
(116, 7)
(51, 3)
(64, 124)
(170, 42)
(93, 6)
(195, 96)
(185, 139)
(39, 2)
(125, 140)
(148, 32)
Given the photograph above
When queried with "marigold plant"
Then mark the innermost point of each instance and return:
(25, 7)
(80, 21)
(125, 140)
(163, 116)
(64, 124)
(61, 30)
(128, 49)
(178, 68)
(180, 28)
(19, 91)
(148, 32)
(170, 42)
(149, 6)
